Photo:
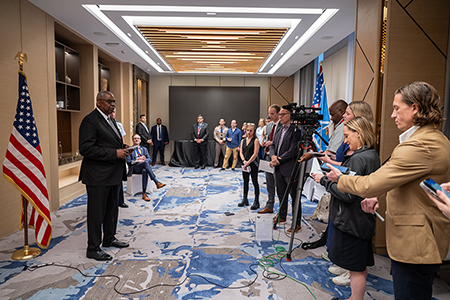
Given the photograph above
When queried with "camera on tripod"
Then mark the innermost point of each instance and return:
(304, 116)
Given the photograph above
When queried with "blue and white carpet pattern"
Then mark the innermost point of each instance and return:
(183, 231)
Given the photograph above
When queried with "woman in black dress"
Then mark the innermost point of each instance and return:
(350, 245)
(249, 155)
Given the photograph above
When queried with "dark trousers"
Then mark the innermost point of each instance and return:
(282, 183)
(270, 184)
(413, 281)
(146, 171)
(158, 146)
(102, 210)
(121, 199)
(246, 176)
(200, 150)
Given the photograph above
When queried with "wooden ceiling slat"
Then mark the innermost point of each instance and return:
(168, 40)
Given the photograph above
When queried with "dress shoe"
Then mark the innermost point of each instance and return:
(123, 205)
(222, 169)
(163, 164)
(203, 167)
(98, 255)
(116, 243)
(232, 169)
(297, 229)
(280, 221)
(265, 210)
(153, 164)
(160, 185)
(145, 197)
(196, 167)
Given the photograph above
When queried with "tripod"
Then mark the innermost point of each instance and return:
(298, 176)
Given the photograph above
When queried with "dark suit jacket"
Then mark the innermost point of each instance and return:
(98, 144)
(132, 158)
(289, 148)
(204, 132)
(164, 135)
(143, 133)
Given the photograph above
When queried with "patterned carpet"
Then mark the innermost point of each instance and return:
(183, 246)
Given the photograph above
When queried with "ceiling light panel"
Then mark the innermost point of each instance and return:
(247, 47)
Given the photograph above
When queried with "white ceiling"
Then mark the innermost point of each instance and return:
(132, 48)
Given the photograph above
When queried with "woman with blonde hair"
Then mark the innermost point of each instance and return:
(350, 244)
(249, 154)
(259, 135)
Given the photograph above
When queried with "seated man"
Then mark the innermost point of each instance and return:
(139, 163)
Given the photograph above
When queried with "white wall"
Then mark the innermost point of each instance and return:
(335, 76)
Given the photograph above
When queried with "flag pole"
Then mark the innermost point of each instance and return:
(27, 252)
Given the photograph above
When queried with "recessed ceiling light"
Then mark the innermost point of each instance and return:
(148, 70)
(211, 13)
(327, 37)
(112, 44)
(271, 65)
(146, 51)
(100, 33)
(296, 37)
(157, 63)
(306, 54)
(129, 34)
(282, 54)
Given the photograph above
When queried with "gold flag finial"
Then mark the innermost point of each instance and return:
(22, 56)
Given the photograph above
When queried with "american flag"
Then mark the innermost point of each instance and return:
(23, 167)
(318, 90)
(320, 101)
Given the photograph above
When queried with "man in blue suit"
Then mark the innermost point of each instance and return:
(159, 139)
(139, 163)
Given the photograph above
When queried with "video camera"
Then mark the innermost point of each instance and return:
(304, 116)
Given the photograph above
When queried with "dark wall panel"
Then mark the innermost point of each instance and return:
(186, 102)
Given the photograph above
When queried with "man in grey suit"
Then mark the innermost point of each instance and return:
(271, 128)
(200, 132)
(102, 171)
(283, 153)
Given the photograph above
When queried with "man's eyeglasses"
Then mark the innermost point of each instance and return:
(110, 101)
(283, 114)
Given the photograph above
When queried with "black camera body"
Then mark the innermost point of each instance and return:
(304, 116)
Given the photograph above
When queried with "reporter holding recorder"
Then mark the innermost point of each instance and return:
(417, 233)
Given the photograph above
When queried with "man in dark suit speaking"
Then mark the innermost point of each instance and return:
(159, 139)
(200, 132)
(102, 170)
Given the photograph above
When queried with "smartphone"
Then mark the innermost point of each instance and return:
(344, 170)
(431, 186)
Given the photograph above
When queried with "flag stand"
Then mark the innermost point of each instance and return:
(27, 252)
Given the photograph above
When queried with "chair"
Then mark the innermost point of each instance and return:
(134, 185)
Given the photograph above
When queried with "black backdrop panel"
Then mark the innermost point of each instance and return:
(186, 102)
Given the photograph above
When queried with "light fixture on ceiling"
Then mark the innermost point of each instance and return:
(112, 44)
(96, 12)
(327, 37)
(256, 10)
(129, 34)
(100, 33)
(322, 20)
(211, 13)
